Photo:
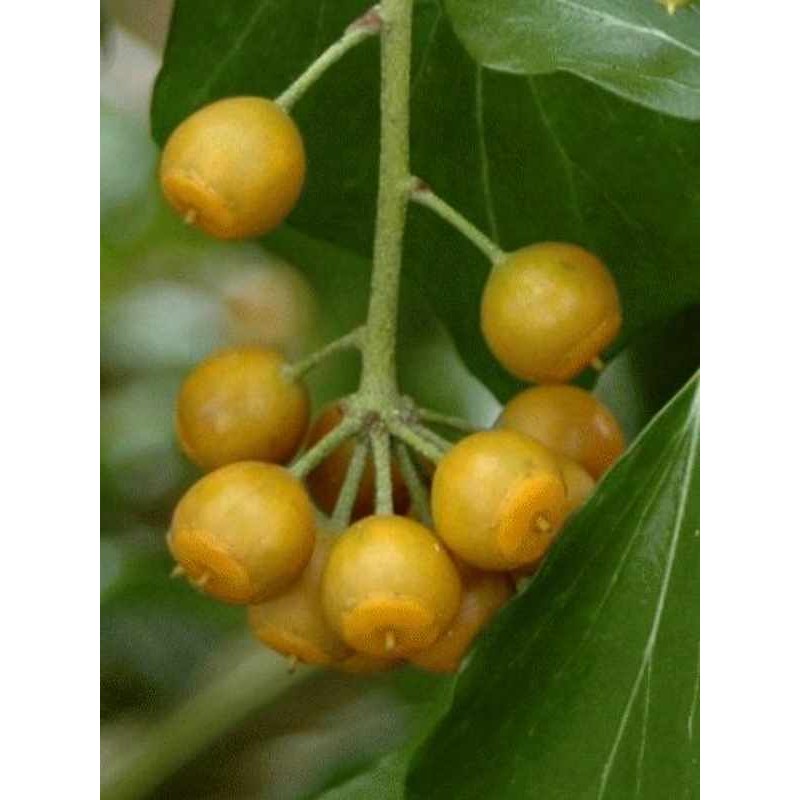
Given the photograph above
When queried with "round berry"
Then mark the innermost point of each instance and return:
(235, 168)
(498, 499)
(580, 484)
(484, 594)
(570, 421)
(326, 480)
(244, 532)
(293, 623)
(390, 588)
(240, 405)
(548, 310)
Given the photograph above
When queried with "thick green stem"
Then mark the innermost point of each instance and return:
(379, 377)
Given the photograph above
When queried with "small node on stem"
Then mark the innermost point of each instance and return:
(597, 364)
(370, 21)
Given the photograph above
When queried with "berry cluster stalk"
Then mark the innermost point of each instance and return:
(379, 375)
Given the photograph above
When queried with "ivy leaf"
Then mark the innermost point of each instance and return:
(527, 158)
(636, 50)
(587, 685)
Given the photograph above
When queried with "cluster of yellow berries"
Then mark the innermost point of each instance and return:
(388, 588)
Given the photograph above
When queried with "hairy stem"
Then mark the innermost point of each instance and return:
(447, 421)
(350, 341)
(416, 488)
(416, 442)
(325, 446)
(349, 491)
(422, 194)
(382, 457)
(361, 29)
(379, 376)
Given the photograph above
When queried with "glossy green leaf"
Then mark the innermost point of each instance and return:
(587, 686)
(526, 158)
(634, 49)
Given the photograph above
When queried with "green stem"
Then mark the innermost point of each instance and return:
(382, 458)
(379, 377)
(418, 443)
(349, 491)
(350, 341)
(417, 489)
(252, 683)
(431, 436)
(324, 447)
(447, 421)
(361, 29)
(422, 194)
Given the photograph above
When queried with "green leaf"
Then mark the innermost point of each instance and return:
(587, 684)
(549, 157)
(636, 50)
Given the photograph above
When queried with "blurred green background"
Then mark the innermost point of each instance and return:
(190, 706)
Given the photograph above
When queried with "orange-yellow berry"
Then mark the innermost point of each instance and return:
(580, 484)
(570, 421)
(235, 168)
(548, 310)
(484, 594)
(293, 623)
(244, 532)
(390, 588)
(240, 405)
(498, 499)
(326, 480)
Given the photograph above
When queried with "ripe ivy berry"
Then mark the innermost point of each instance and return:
(235, 168)
(244, 532)
(548, 310)
(293, 623)
(240, 405)
(390, 588)
(498, 499)
(484, 594)
(570, 421)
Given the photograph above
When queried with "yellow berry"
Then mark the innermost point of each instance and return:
(484, 594)
(326, 480)
(293, 623)
(240, 405)
(235, 168)
(389, 588)
(570, 421)
(244, 532)
(498, 499)
(548, 310)
(580, 484)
